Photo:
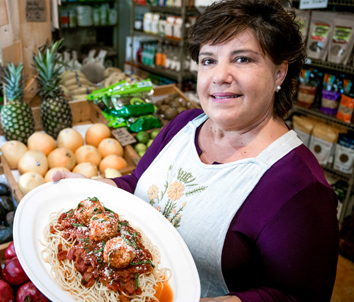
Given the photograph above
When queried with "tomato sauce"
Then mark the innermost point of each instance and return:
(164, 292)
(89, 255)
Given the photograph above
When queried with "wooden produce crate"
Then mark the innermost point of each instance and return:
(165, 90)
(16, 193)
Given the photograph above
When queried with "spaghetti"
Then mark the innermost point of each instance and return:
(96, 255)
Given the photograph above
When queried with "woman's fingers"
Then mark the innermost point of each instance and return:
(58, 175)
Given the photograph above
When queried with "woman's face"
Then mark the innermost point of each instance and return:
(237, 82)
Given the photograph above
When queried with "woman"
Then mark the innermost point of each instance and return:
(248, 198)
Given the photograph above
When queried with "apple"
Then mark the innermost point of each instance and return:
(28, 292)
(10, 251)
(13, 272)
(6, 292)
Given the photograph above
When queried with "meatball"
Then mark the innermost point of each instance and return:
(87, 208)
(103, 226)
(117, 253)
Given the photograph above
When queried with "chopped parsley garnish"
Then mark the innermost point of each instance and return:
(136, 280)
(77, 224)
(69, 212)
(109, 254)
(120, 223)
(143, 262)
(84, 240)
(111, 282)
(126, 240)
(109, 210)
(102, 220)
(121, 280)
(95, 209)
(94, 218)
(92, 198)
(86, 248)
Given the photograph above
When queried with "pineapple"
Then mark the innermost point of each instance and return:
(55, 109)
(16, 116)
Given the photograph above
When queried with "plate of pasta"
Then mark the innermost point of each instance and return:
(84, 240)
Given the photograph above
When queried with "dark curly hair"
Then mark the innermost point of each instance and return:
(275, 28)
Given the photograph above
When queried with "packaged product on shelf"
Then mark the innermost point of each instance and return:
(104, 13)
(341, 43)
(170, 21)
(303, 19)
(84, 15)
(72, 18)
(346, 104)
(331, 93)
(96, 16)
(147, 22)
(322, 142)
(177, 28)
(64, 18)
(309, 82)
(154, 23)
(303, 127)
(344, 153)
(320, 32)
(138, 23)
(162, 2)
(112, 16)
(162, 26)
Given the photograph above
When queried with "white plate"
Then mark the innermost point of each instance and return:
(33, 212)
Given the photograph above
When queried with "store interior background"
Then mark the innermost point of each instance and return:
(114, 39)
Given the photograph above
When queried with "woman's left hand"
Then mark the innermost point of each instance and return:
(221, 299)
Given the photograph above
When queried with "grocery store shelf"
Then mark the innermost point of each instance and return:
(174, 75)
(87, 2)
(336, 2)
(336, 173)
(316, 112)
(332, 66)
(169, 9)
(161, 38)
(91, 26)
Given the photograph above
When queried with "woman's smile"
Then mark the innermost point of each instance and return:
(224, 97)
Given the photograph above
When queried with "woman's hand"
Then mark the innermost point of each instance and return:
(58, 175)
(221, 299)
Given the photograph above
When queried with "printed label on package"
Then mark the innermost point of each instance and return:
(320, 32)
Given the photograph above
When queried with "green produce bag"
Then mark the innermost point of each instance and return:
(143, 123)
(133, 110)
(115, 122)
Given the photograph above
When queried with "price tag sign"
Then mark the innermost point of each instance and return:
(36, 11)
(123, 136)
(308, 4)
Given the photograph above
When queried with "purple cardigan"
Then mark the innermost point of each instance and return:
(282, 244)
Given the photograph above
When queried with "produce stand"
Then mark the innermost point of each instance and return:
(85, 113)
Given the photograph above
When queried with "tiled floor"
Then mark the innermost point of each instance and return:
(344, 285)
